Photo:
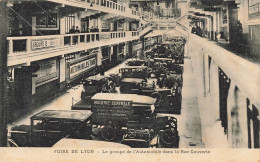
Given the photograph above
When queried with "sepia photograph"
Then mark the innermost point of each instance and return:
(129, 80)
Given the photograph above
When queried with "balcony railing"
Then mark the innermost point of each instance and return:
(30, 45)
(104, 6)
(228, 93)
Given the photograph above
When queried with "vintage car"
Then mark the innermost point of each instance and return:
(132, 117)
(127, 85)
(135, 62)
(134, 72)
(162, 133)
(49, 126)
(93, 85)
(168, 99)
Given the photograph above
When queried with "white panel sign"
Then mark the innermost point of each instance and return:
(137, 46)
(82, 66)
(39, 44)
(47, 71)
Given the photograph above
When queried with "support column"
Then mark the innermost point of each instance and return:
(99, 24)
(214, 90)
(3, 73)
(62, 76)
(237, 117)
(99, 57)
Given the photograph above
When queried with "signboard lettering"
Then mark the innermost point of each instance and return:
(38, 44)
(115, 103)
(82, 66)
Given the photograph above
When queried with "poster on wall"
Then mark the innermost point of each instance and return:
(137, 46)
(47, 71)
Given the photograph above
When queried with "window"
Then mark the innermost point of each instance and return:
(46, 20)
(69, 57)
(69, 22)
(253, 8)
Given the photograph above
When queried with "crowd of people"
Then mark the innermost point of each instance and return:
(196, 30)
(88, 30)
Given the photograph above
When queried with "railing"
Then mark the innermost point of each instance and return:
(163, 25)
(228, 93)
(31, 44)
(108, 5)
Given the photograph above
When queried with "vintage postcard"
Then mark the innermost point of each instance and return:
(129, 80)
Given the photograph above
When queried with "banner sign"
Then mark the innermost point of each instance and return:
(107, 110)
(39, 44)
(82, 66)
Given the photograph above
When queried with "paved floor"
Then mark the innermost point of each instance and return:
(189, 125)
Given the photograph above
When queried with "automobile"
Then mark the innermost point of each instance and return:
(127, 85)
(168, 99)
(69, 142)
(135, 62)
(134, 72)
(113, 111)
(162, 133)
(93, 85)
(132, 118)
(49, 126)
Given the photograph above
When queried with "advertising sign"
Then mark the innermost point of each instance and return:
(82, 66)
(117, 111)
(40, 44)
(47, 70)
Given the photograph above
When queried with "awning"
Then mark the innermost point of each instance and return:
(156, 33)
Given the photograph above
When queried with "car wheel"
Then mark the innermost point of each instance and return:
(169, 138)
(108, 133)
(157, 96)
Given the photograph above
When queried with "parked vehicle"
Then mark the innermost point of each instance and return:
(133, 117)
(93, 85)
(49, 126)
(134, 72)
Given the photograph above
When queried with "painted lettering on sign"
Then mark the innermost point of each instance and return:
(114, 103)
(38, 44)
(82, 66)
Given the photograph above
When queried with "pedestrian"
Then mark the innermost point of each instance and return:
(77, 30)
(73, 30)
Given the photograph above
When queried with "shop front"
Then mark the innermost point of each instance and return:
(147, 43)
(136, 49)
(44, 79)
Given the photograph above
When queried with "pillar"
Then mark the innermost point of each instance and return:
(214, 90)
(99, 57)
(237, 117)
(3, 73)
(62, 72)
